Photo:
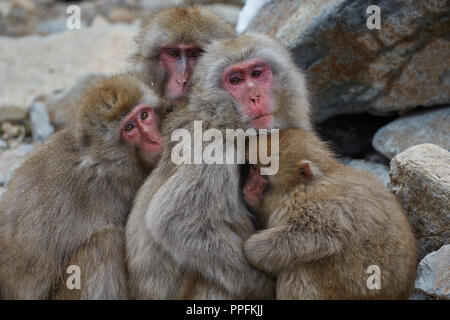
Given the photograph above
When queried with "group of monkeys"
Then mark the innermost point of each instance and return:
(104, 195)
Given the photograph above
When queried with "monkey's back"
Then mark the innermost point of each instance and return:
(53, 204)
(379, 235)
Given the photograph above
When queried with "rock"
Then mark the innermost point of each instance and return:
(3, 145)
(59, 59)
(121, 15)
(353, 69)
(433, 273)
(229, 13)
(425, 126)
(11, 159)
(41, 128)
(26, 5)
(379, 171)
(99, 21)
(53, 26)
(8, 113)
(11, 131)
(420, 178)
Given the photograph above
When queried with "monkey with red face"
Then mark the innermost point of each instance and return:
(68, 203)
(189, 222)
(170, 43)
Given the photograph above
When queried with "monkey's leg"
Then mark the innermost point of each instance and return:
(102, 265)
(278, 248)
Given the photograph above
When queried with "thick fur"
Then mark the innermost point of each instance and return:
(323, 234)
(189, 222)
(190, 25)
(69, 201)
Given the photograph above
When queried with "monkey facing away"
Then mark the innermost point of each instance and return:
(329, 227)
(170, 43)
(189, 221)
(69, 201)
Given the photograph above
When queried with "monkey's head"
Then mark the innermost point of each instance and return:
(303, 160)
(251, 81)
(170, 43)
(119, 119)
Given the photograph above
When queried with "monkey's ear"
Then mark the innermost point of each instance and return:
(306, 169)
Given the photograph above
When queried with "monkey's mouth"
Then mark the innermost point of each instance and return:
(262, 121)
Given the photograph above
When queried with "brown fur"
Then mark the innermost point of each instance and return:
(68, 203)
(323, 233)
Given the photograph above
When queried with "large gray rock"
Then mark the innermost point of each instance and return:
(420, 178)
(34, 65)
(433, 273)
(353, 69)
(425, 126)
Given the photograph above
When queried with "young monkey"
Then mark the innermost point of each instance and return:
(328, 225)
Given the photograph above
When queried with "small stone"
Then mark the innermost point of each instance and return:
(41, 128)
(433, 274)
(11, 131)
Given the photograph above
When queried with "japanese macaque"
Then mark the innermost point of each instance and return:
(170, 44)
(333, 232)
(68, 203)
(189, 222)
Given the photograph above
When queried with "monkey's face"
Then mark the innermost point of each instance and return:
(140, 130)
(250, 83)
(178, 61)
(255, 186)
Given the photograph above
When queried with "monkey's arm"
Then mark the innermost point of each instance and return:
(200, 241)
(102, 265)
(281, 247)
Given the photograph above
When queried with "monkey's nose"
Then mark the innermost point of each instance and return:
(182, 82)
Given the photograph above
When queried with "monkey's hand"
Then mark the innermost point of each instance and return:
(279, 248)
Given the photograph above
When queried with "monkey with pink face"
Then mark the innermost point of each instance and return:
(186, 231)
(68, 203)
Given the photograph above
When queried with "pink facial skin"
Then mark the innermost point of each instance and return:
(254, 187)
(250, 83)
(140, 129)
(179, 60)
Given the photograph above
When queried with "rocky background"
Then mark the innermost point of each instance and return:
(381, 97)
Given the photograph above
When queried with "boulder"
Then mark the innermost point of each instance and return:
(433, 274)
(41, 128)
(420, 178)
(425, 126)
(58, 60)
(353, 69)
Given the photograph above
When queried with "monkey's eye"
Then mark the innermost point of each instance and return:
(144, 115)
(235, 80)
(256, 73)
(196, 53)
(173, 53)
(129, 127)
